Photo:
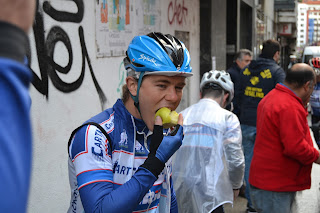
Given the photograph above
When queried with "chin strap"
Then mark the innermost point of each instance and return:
(136, 98)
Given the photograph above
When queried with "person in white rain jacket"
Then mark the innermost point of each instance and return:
(208, 168)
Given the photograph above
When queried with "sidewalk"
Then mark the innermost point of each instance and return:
(240, 206)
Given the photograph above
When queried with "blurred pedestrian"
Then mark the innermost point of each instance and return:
(283, 152)
(16, 18)
(259, 78)
(208, 168)
(315, 100)
(128, 168)
(241, 60)
(293, 60)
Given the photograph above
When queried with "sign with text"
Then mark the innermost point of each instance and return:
(285, 29)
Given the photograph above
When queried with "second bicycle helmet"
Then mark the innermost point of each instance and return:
(220, 78)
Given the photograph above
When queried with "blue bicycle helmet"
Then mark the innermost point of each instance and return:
(157, 54)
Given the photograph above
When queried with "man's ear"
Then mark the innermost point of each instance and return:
(132, 85)
(308, 85)
(225, 98)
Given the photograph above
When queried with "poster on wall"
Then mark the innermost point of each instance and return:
(118, 21)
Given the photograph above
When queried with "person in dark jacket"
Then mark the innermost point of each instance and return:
(241, 60)
(257, 80)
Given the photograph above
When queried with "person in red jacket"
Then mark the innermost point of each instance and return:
(283, 153)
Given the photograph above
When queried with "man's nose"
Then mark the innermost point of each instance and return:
(172, 94)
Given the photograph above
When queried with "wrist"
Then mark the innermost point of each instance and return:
(154, 165)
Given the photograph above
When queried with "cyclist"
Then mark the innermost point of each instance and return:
(208, 169)
(315, 100)
(134, 175)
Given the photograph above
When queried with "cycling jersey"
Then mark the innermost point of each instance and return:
(106, 175)
(210, 162)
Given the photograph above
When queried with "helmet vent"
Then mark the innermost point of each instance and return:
(218, 76)
(171, 46)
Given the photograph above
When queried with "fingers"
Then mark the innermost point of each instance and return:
(158, 121)
(177, 129)
(180, 119)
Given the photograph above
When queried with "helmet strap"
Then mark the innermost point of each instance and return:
(136, 98)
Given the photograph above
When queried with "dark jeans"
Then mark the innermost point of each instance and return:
(248, 139)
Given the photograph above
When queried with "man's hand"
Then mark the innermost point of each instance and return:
(162, 147)
(169, 144)
(18, 12)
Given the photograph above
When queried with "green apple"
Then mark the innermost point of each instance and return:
(169, 118)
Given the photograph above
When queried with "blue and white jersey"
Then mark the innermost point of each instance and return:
(315, 100)
(107, 175)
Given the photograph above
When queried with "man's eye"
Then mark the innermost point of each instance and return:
(179, 88)
(162, 86)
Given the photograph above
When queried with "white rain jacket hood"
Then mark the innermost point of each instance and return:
(210, 162)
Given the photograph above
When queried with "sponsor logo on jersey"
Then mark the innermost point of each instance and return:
(98, 147)
(109, 124)
(139, 149)
(123, 139)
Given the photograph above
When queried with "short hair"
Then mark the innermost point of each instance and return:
(242, 52)
(212, 90)
(270, 47)
(125, 93)
(298, 78)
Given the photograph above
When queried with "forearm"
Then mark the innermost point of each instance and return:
(101, 197)
(235, 163)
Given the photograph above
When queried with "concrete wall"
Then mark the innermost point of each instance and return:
(218, 33)
(269, 16)
(72, 83)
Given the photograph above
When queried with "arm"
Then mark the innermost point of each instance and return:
(15, 126)
(280, 76)
(233, 151)
(297, 144)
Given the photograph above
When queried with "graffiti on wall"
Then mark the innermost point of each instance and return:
(45, 47)
(177, 13)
